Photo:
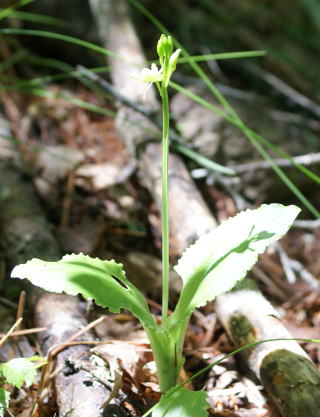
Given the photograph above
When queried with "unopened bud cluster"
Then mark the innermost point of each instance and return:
(168, 62)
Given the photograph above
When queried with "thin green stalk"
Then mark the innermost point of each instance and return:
(221, 56)
(165, 205)
(240, 349)
(232, 115)
(6, 12)
(37, 18)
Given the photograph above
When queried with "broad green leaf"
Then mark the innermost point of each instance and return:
(17, 371)
(182, 403)
(93, 278)
(222, 257)
(4, 401)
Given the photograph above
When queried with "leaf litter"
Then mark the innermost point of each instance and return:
(91, 140)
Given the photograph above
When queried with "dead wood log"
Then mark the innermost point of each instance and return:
(283, 367)
(25, 234)
(294, 390)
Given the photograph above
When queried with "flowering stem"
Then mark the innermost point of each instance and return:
(165, 205)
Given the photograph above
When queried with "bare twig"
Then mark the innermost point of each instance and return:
(292, 267)
(263, 277)
(286, 264)
(21, 305)
(75, 336)
(308, 159)
(67, 201)
(296, 119)
(6, 336)
(307, 224)
(108, 88)
(27, 331)
(286, 90)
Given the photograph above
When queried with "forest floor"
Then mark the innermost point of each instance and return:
(95, 206)
(91, 194)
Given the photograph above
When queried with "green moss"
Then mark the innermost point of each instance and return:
(296, 398)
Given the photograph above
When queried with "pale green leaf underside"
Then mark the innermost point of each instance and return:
(93, 278)
(222, 257)
(182, 403)
(18, 371)
(4, 401)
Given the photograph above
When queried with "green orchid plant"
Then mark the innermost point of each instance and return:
(208, 268)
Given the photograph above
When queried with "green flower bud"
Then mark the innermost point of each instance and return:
(161, 48)
(173, 61)
(170, 67)
(164, 49)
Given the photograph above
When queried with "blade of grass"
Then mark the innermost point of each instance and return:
(75, 101)
(37, 18)
(100, 110)
(7, 12)
(60, 37)
(82, 104)
(226, 116)
(258, 147)
(235, 117)
(252, 137)
(188, 152)
(239, 350)
(50, 63)
(56, 77)
(222, 56)
(104, 51)
(201, 160)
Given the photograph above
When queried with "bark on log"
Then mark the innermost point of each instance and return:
(283, 367)
(25, 234)
(190, 217)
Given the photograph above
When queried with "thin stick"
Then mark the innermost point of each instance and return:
(5, 337)
(307, 224)
(67, 201)
(240, 349)
(308, 159)
(72, 338)
(21, 305)
(28, 331)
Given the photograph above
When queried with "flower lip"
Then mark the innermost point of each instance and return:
(151, 75)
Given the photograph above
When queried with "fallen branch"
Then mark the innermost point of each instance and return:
(308, 159)
(26, 234)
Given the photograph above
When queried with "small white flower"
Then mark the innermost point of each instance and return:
(153, 75)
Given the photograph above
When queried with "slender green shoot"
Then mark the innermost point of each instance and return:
(161, 77)
(165, 204)
(51, 78)
(37, 18)
(234, 352)
(9, 10)
(222, 56)
(60, 37)
(195, 97)
(253, 138)
(202, 160)
(233, 116)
